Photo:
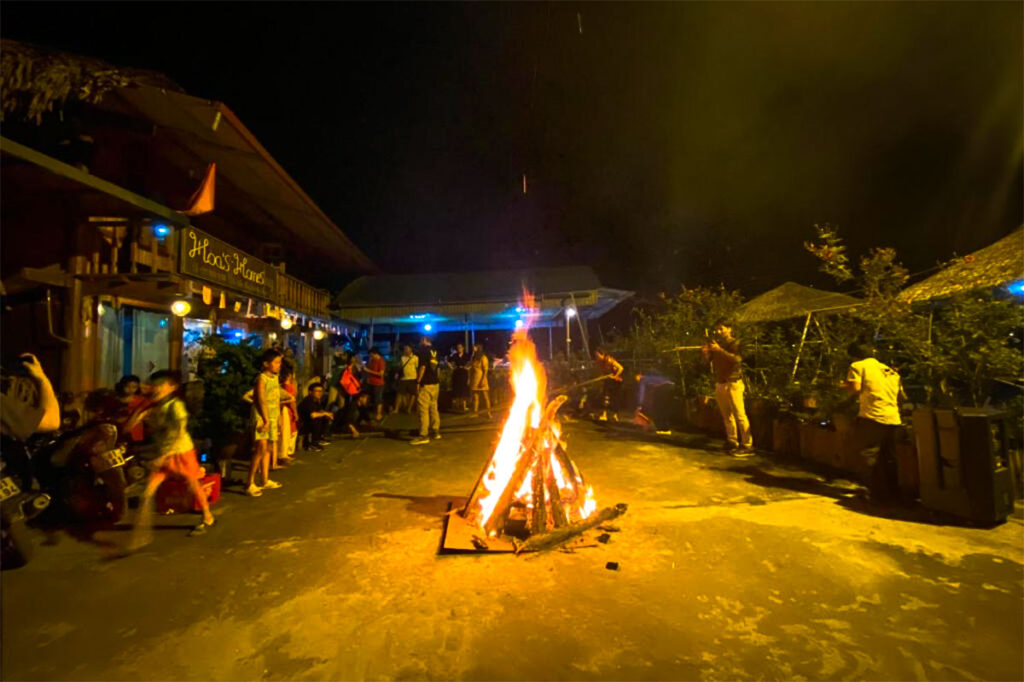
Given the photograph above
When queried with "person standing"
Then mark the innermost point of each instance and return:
(166, 421)
(427, 393)
(266, 413)
(479, 368)
(878, 389)
(726, 356)
(408, 371)
(459, 361)
(612, 384)
(289, 417)
(376, 370)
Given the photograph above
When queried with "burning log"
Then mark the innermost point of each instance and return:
(559, 536)
(530, 486)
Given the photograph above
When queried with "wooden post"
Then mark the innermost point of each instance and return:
(71, 358)
(176, 343)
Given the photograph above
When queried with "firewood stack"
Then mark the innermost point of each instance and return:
(546, 491)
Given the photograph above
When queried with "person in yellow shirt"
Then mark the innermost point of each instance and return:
(878, 389)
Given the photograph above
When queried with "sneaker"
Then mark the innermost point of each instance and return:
(254, 491)
(323, 443)
(743, 453)
(419, 440)
(315, 448)
(437, 436)
(271, 485)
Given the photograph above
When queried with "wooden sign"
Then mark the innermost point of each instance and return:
(208, 258)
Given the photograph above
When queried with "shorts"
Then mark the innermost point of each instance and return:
(183, 464)
(271, 434)
(408, 387)
(377, 392)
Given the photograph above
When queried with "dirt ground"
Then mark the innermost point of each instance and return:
(728, 569)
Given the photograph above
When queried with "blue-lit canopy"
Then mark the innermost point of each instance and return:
(490, 300)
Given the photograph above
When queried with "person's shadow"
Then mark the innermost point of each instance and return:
(853, 498)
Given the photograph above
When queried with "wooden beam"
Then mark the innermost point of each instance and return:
(60, 168)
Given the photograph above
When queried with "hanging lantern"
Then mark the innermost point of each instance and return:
(286, 323)
(318, 334)
(181, 308)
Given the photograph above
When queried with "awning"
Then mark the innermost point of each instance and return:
(483, 300)
(792, 300)
(992, 266)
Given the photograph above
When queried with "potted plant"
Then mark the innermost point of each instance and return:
(227, 371)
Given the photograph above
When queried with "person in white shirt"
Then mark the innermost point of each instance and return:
(878, 389)
(408, 367)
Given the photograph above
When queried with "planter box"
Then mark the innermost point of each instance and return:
(906, 460)
(820, 444)
(786, 436)
(762, 415)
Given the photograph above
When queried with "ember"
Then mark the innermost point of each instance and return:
(530, 486)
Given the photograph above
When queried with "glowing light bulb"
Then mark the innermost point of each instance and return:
(286, 323)
(181, 308)
(318, 334)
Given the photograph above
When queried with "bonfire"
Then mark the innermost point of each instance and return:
(530, 491)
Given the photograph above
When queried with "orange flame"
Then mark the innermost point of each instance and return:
(529, 383)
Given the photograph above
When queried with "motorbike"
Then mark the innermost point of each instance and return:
(20, 502)
(86, 471)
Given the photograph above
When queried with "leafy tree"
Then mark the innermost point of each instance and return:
(682, 320)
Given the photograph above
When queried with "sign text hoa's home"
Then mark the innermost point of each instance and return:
(208, 258)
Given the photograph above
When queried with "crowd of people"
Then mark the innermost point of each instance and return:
(152, 416)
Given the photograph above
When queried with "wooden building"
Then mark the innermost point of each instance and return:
(98, 242)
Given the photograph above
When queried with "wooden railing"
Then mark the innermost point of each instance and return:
(124, 247)
(294, 294)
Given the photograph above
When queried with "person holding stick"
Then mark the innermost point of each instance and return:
(612, 383)
(725, 355)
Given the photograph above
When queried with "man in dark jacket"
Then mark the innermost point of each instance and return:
(314, 419)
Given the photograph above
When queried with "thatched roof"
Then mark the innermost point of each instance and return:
(35, 80)
(792, 300)
(992, 266)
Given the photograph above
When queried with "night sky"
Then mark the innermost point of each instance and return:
(665, 144)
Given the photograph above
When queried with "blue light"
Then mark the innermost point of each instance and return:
(161, 230)
(519, 324)
(1017, 287)
(427, 327)
(420, 316)
(239, 335)
(163, 321)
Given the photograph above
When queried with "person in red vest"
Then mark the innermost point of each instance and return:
(375, 371)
